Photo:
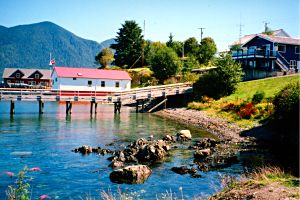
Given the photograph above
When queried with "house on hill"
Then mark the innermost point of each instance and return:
(264, 55)
(90, 79)
(32, 78)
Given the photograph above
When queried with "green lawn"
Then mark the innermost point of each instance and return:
(244, 93)
(270, 86)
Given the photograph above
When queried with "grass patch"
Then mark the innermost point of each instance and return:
(267, 175)
(250, 105)
(270, 87)
(294, 195)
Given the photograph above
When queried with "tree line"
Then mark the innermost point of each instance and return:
(166, 60)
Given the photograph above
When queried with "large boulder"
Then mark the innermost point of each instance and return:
(131, 174)
(200, 154)
(184, 135)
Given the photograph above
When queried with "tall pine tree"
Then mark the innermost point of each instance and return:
(128, 45)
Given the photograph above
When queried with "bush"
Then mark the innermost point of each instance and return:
(258, 97)
(221, 81)
(286, 102)
(246, 111)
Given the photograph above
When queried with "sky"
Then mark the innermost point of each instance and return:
(223, 20)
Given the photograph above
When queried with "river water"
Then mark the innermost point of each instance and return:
(45, 141)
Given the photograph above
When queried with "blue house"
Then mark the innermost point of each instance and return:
(265, 55)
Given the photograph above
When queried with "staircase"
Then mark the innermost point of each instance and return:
(282, 62)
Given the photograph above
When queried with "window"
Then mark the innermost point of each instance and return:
(74, 79)
(18, 75)
(297, 50)
(293, 63)
(90, 83)
(36, 76)
(281, 48)
(117, 84)
(55, 79)
(102, 83)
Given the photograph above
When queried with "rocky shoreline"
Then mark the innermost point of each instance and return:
(223, 129)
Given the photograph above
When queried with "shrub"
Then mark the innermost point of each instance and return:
(286, 102)
(258, 97)
(229, 107)
(221, 81)
(246, 111)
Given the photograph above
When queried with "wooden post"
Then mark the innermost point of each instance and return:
(91, 109)
(68, 107)
(117, 107)
(143, 106)
(96, 107)
(137, 106)
(12, 107)
(165, 104)
(41, 107)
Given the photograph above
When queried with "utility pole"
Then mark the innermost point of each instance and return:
(201, 32)
(143, 44)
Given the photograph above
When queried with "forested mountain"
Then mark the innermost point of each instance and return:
(29, 46)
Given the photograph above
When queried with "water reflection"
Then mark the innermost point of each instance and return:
(51, 137)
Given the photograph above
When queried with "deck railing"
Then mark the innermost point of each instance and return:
(253, 53)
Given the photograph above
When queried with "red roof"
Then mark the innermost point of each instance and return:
(72, 72)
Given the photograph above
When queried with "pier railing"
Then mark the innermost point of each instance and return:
(126, 97)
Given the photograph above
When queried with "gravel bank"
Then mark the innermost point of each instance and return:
(220, 127)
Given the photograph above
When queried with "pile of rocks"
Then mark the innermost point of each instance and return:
(211, 154)
(131, 163)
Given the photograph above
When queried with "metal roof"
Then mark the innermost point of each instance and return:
(72, 72)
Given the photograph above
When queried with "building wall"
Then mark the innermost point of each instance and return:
(290, 53)
(34, 82)
(259, 42)
(81, 84)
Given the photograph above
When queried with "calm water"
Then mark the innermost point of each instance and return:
(49, 139)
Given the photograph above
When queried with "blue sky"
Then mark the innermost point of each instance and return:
(100, 19)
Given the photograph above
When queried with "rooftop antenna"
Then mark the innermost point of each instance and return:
(201, 32)
(266, 26)
(240, 35)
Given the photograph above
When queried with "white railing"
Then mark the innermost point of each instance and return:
(124, 96)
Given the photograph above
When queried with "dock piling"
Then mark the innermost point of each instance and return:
(12, 107)
(41, 107)
(68, 107)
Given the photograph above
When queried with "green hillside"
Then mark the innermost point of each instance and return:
(270, 86)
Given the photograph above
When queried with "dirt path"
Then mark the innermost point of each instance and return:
(272, 191)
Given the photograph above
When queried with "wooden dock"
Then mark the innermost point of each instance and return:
(132, 96)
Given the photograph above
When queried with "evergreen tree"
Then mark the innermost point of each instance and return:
(128, 45)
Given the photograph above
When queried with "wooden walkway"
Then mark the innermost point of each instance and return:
(118, 98)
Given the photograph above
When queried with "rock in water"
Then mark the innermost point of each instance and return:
(135, 174)
(200, 154)
(184, 135)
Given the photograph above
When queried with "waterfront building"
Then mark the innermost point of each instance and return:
(90, 79)
(267, 54)
(30, 78)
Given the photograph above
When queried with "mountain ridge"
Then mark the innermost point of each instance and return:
(29, 46)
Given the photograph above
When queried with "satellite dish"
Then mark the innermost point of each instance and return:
(79, 74)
